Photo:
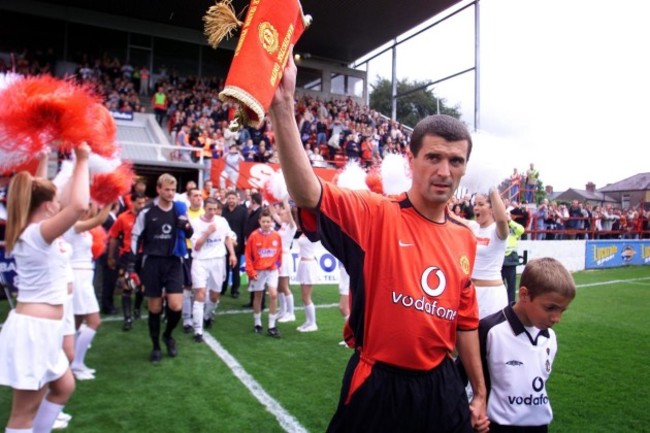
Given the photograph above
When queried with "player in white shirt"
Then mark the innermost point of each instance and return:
(194, 210)
(211, 240)
(283, 216)
(32, 360)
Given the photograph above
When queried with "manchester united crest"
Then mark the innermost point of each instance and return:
(464, 264)
(268, 37)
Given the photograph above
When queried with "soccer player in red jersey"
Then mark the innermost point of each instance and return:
(410, 265)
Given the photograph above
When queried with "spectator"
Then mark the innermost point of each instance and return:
(532, 176)
(230, 171)
(574, 223)
(249, 151)
(541, 214)
(144, 81)
(160, 103)
(263, 154)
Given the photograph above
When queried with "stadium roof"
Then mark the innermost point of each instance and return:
(342, 30)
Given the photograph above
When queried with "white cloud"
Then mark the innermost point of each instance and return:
(564, 84)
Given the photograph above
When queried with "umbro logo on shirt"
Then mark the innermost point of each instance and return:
(514, 363)
(404, 244)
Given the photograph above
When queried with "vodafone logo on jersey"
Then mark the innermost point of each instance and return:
(438, 280)
(433, 283)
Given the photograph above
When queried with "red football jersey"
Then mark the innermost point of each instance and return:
(410, 278)
(263, 252)
(123, 226)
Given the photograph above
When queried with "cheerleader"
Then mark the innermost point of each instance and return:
(84, 301)
(491, 230)
(287, 231)
(32, 360)
(307, 276)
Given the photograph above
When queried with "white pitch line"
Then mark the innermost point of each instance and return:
(287, 421)
(606, 283)
(118, 318)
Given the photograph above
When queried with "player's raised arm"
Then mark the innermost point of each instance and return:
(302, 183)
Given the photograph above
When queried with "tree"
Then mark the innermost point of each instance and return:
(413, 106)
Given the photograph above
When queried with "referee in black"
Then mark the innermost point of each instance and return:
(162, 228)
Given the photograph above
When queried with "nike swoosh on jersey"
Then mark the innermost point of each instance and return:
(404, 244)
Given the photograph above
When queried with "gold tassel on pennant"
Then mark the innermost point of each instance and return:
(220, 21)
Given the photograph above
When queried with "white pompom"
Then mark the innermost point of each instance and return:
(275, 188)
(99, 164)
(395, 174)
(487, 166)
(352, 177)
(6, 79)
(62, 181)
(64, 175)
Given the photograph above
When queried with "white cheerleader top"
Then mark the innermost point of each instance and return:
(42, 270)
(287, 233)
(490, 252)
(82, 249)
(307, 247)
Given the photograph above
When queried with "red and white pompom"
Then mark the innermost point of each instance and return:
(42, 110)
(100, 237)
(275, 188)
(102, 131)
(105, 188)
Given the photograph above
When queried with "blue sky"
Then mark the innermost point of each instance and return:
(564, 84)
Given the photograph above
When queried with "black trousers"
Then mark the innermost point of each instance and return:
(109, 278)
(509, 275)
(236, 277)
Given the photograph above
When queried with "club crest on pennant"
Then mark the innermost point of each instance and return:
(268, 37)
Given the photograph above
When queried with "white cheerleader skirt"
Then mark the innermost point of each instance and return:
(491, 299)
(344, 282)
(31, 352)
(307, 272)
(84, 300)
(68, 316)
(287, 265)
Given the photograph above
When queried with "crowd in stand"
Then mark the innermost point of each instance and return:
(332, 132)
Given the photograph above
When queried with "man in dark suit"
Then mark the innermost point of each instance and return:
(236, 215)
(252, 224)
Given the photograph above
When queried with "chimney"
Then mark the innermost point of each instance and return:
(591, 187)
(548, 189)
